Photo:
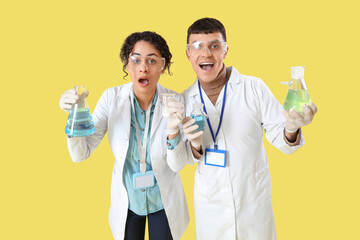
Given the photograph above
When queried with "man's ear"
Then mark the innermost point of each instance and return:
(187, 55)
(227, 50)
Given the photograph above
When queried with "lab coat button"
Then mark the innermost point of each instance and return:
(142, 129)
(143, 190)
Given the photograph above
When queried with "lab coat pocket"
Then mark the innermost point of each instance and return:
(210, 181)
(207, 171)
(263, 185)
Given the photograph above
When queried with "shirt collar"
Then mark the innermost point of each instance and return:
(153, 102)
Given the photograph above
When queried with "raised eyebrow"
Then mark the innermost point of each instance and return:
(152, 54)
(195, 42)
(149, 55)
(213, 41)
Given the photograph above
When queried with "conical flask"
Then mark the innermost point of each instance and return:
(297, 94)
(80, 122)
(198, 114)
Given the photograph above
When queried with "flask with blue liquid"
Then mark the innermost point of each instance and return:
(198, 114)
(80, 122)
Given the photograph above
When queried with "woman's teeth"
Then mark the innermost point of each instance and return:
(144, 81)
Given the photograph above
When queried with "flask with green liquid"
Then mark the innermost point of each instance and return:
(297, 93)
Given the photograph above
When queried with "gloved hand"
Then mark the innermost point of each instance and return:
(195, 137)
(176, 110)
(295, 120)
(69, 98)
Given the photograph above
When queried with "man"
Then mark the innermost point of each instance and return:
(232, 183)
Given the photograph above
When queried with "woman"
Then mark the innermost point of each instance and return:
(144, 182)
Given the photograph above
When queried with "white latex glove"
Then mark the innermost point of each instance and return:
(69, 98)
(295, 120)
(176, 110)
(195, 137)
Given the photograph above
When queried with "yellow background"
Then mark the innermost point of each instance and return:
(48, 46)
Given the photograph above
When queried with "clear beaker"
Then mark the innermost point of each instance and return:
(198, 114)
(80, 122)
(297, 93)
(165, 97)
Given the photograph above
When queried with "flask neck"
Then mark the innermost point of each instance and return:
(197, 111)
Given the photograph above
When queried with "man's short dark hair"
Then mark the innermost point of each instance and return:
(206, 25)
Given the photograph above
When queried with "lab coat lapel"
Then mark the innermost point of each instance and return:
(126, 110)
(157, 117)
(119, 125)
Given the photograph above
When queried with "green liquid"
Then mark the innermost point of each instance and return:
(295, 99)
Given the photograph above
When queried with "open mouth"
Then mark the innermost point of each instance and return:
(206, 66)
(144, 82)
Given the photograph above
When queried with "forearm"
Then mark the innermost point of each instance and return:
(78, 148)
(177, 157)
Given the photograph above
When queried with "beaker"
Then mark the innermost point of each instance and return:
(80, 122)
(297, 93)
(164, 102)
(198, 114)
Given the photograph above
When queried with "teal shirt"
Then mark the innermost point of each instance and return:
(147, 200)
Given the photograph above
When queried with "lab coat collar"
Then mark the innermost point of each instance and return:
(125, 90)
(235, 78)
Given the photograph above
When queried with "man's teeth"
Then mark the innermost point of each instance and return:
(206, 66)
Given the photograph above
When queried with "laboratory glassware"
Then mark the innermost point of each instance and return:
(198, 114)
(164, 102)
(298, 94)
(80, 122)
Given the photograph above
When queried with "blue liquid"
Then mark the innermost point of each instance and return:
(200, 121)
(80, 126)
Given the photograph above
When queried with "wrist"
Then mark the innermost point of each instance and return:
(196, 145)
(172, 131)
(172, 136)
(291, 130)
(291, 136)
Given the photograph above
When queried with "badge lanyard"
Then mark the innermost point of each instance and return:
(141, 147)
(222, 111)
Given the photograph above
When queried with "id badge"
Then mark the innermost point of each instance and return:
(143, 180)
(215, 157)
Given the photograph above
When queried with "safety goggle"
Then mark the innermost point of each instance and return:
(152, 63)
(212, 47)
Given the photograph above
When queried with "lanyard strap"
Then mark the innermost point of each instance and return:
(222, 110)
(141, 146)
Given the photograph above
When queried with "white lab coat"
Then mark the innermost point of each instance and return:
(113, 115)
(235, 202)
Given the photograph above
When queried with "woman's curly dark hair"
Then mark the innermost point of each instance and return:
(151, 37)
